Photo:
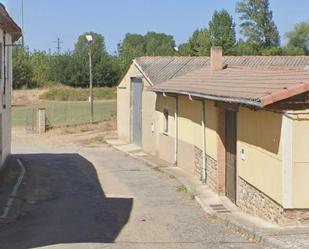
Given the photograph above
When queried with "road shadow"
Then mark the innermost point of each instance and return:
(64, 203)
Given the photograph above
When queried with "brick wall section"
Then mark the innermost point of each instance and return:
(255, 202)
(211, 168)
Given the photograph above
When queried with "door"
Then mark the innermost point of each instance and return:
(230, 147)
(137, 91)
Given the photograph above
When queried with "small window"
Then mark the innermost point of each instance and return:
(165, 121)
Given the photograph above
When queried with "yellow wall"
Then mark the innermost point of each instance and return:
(124, 106)
(124, 111)
(259, 134)
(165, 140)
(148, 117)
(169, 104)
(190, 132)
(300, 197)
(211, 127)
(189, 121)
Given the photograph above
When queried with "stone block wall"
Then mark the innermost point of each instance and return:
(198, 162)
(212, 173)
(211, 168)
(255, 202)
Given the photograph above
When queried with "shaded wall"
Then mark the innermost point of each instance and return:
(5, 100)
(259, 134)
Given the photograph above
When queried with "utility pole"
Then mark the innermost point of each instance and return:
(89, 40)
(91, 83)
(22, 23)
(59, 42)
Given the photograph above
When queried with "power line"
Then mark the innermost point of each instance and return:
(59, 42)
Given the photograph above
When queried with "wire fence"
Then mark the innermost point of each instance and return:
(63, 113)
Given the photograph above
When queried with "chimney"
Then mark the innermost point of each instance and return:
(216, 60)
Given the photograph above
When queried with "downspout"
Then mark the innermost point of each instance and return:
(176, 131)
(203, 169)
(204, 175)
(4, 71)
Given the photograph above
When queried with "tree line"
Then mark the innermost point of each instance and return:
(259, 33)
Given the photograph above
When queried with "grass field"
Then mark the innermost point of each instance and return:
(65, 113)
(64, 93)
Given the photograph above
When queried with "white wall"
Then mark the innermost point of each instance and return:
(5, 99)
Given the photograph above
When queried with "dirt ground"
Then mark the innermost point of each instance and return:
(27, 97)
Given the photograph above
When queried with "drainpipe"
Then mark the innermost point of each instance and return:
(176, 130)
(203, 173)
(204, 144)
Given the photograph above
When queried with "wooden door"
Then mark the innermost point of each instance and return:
(230, 146)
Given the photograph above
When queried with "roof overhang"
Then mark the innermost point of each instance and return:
(299, 101)
(142, 72)
(254, 103)
(8, 25)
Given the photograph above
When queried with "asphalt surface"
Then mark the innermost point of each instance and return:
(81, 196)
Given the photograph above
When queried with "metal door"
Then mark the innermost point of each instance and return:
(137, 91)
(230, 146)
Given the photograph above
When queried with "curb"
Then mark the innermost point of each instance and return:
(232, 224)
(14, 192)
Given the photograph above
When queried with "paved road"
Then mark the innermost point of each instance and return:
(95, 197)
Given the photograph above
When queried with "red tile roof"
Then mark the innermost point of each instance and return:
(159, 69)
(7, 24)
(253, 86)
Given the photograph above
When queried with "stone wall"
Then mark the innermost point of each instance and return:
(211, 168)
(198, 162)
(212, 173)
(254, 202)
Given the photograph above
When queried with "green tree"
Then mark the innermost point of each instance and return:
(299, 37)
(184, 49)
(39, 62)
(105, 71)
(272, 51)
(131, 47)
(222, 31)
(246, 48)
(81, 61)
(257, 23)
(290, 50)
(59, 68)
(22, 69)
(159, 44)
(199, 44)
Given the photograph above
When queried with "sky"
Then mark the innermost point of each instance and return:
(45, 20)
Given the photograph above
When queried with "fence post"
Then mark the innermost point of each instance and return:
(41, 120)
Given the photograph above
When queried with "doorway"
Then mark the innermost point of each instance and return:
(137, 93)
(230, 150)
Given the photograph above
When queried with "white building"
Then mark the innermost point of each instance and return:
(10, 32)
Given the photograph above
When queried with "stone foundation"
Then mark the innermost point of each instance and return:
(198, 162)
(211, 168)
(212, 173)
(254, 202)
